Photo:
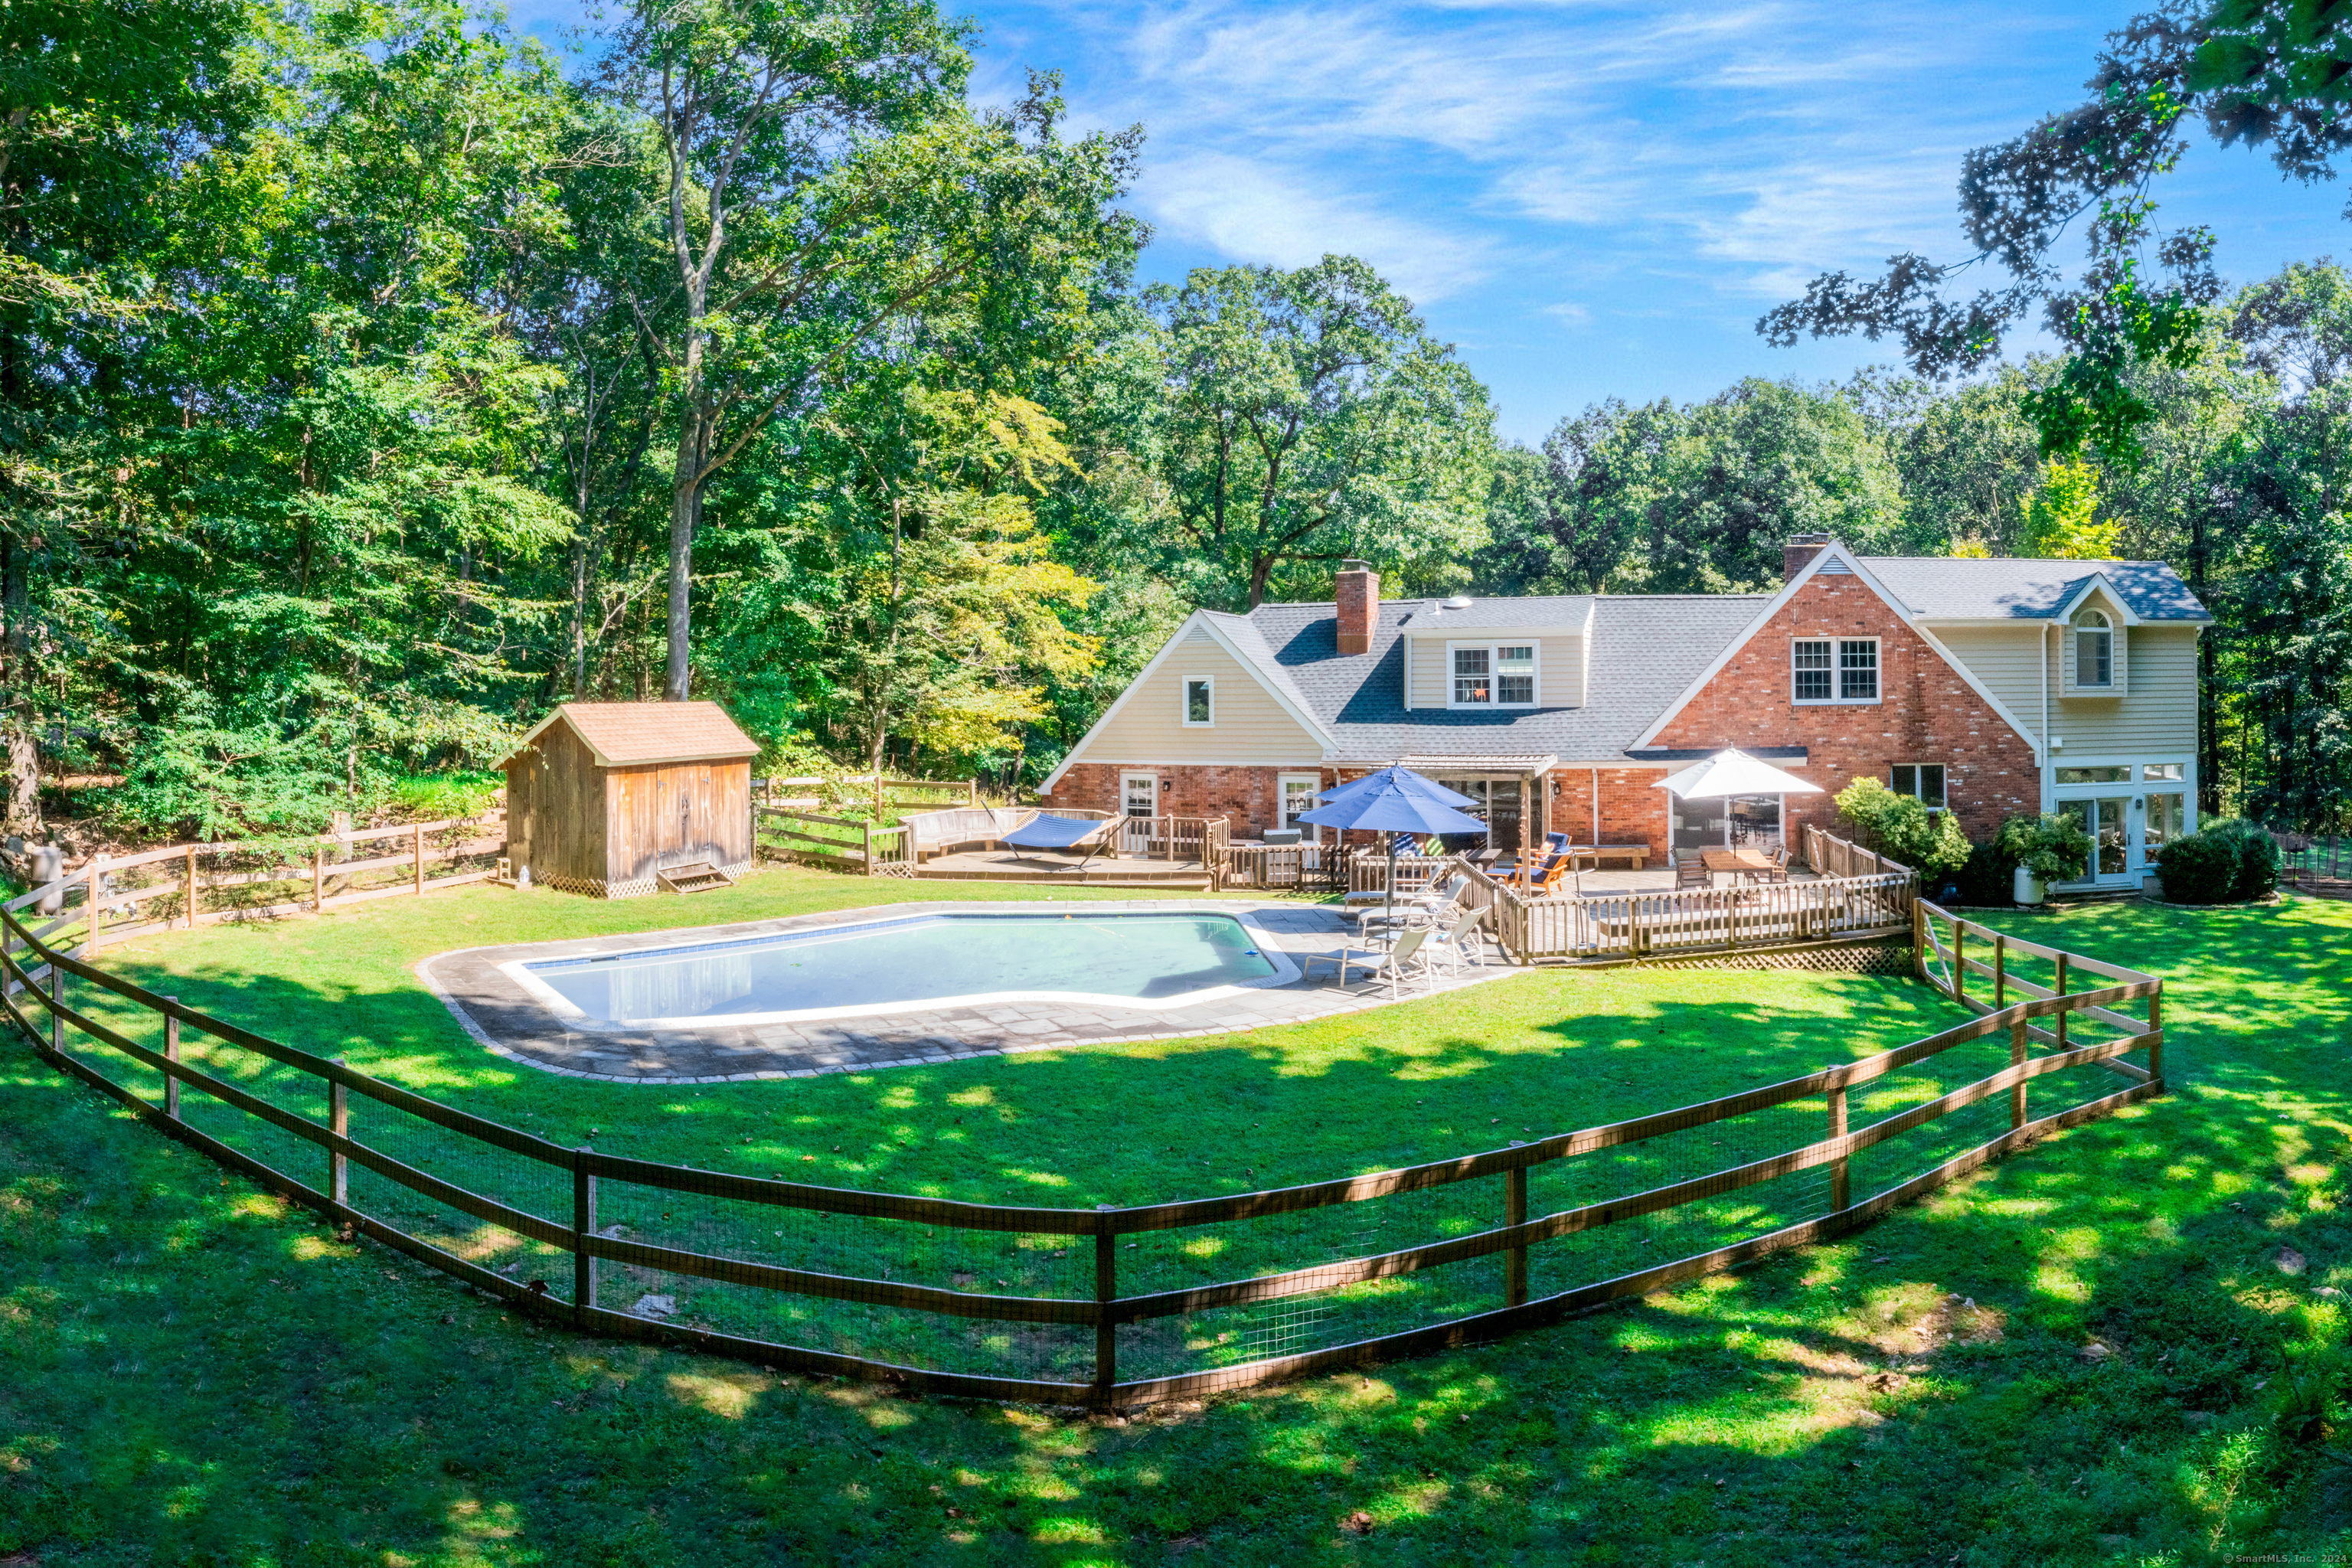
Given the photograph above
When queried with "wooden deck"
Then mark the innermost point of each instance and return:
(1049, 868)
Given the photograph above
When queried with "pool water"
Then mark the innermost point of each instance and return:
(925, 959)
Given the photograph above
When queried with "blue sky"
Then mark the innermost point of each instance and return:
(1590, 199)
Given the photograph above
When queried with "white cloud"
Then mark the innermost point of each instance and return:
(1253, 212)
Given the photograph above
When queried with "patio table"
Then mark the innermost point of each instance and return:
(1738, 862)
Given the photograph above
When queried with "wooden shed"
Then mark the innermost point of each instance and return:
(617, 799)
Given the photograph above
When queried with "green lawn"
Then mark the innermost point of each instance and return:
(190, 1373)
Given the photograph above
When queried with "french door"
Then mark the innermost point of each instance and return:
(1139, 802)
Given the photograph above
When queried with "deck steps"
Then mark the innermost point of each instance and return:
(701, 877)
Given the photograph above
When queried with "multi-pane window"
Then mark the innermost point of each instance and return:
(1923, 781)
(1200, 702)
(1858, 669)
(1810, 658)
(2095, 649)
(1499, 674)
(2095, 775)
(2171, 773)
(1473, 677)
(1834, 669)
(1515, 674)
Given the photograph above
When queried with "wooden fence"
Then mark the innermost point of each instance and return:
(1112, 1306)
(836, 843)
(182, 886)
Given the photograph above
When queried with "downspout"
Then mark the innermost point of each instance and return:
(1596, 809)
(2042, 785)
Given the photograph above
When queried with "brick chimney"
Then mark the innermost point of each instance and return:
(1360, 605)
(1799, 552)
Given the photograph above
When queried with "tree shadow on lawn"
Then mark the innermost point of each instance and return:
(1852, 1409)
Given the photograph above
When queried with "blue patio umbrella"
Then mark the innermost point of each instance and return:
(1402, 776)
(1391, 806)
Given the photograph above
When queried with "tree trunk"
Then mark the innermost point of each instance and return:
(685, 517)
(23, 810)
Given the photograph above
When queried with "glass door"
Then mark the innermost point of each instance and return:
(1140, 795)
(1701, 824)
(2106, 819)
(1756, 822)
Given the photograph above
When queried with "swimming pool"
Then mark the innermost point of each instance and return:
(1149, 961)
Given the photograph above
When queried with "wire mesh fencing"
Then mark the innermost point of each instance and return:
(1115, 1306)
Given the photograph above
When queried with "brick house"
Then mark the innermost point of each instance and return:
(1987, 688)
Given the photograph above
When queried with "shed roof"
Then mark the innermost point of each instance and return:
(635, 734)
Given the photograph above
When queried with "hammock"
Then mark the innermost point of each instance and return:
(1044, 832)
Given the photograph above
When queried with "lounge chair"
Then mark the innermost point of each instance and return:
(1426, 909)
(1462, 944)
(1404, 959)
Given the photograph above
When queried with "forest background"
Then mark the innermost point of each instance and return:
(368, 385)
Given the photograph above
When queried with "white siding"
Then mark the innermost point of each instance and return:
(1250, 726)
(1559, 668)
(2007, 659)
(2156, 718)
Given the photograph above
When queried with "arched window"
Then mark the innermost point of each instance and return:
(2095, 649)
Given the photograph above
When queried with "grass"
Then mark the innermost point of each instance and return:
(190, 1373)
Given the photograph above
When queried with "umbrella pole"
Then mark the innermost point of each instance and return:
(1388, 899)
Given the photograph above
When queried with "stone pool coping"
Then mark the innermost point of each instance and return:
(505, 1019)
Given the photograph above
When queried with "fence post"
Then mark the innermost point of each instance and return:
(317, 877)
(1106, 1292)
(583, 1225)
(57, 1000)
(171, 1054)
(420, 860)
(1515, 1259)
(2156, 1040)
(2059, 1019)
(1841, 1179)
(338, 1122)
(97, 882)
(2017, 1058)
(869, 829)
(1959, 961)
(1999, 970)
(191, 886)
(1919, 938)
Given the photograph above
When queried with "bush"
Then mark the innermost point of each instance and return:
(1901, 828)
(2222, 862)
(2054, 847)
(1988, 876)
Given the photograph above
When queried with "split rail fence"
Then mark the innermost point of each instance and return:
(1118, 1306)
(183, 886)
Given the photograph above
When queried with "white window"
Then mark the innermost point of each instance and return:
(1494, 675)
(1809, 660)
(1923, 781)
(2170, 772)
(2095, 649)
(1834, 669)
(1473, 678)
(1200, 700)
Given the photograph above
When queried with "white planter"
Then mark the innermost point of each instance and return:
(2029, 889)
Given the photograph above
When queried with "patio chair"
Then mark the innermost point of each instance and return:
(1690, 871)
(1779, 871)
(1426, 909)
(1463, 944)
(1404, 959)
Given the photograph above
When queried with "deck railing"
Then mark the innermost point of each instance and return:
(1610, 927)
(1312, 866)
(1114, 1306)
(1830, 855)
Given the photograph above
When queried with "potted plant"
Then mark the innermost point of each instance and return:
(2051, 849)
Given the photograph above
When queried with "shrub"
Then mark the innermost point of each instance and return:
(2054, 847)
(1988, 876)
(1901, 828)
(2223, 861)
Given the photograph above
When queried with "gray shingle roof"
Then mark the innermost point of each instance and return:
(1997, 589)
(1646, 649)
(1562, 610)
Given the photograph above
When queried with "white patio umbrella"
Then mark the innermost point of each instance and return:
(1730, 772)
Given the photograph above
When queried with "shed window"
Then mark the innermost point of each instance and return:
(1200, 700)
(2095, 649)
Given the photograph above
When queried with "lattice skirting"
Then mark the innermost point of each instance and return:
(636, 888)
(1853, 958)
